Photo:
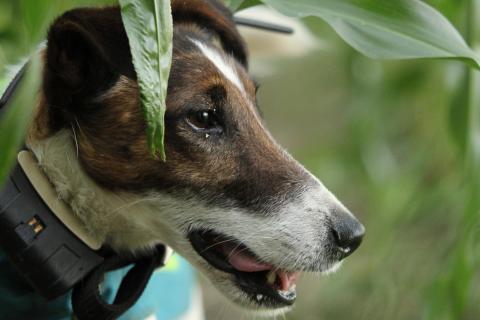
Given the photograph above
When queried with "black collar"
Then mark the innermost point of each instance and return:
(40, 237)
(45, 247)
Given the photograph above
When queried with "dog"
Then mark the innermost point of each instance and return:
(228, 198)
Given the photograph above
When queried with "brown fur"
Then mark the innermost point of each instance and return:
(223, 176)
(100, 104)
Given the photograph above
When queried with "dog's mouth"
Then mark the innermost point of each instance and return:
(264, 283)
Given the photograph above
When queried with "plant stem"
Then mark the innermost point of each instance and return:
(464, 266)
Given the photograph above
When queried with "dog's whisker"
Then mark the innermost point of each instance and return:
(130, 204)
(238, 252)
(79, 127)
(231, 239)
(218, 243)
(240, 243)
(75, 139)
(283, 260)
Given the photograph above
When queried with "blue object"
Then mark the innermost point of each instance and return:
(167, 295)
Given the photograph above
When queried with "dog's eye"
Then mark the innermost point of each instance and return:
(204, 120)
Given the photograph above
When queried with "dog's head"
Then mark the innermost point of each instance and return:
(228, 198)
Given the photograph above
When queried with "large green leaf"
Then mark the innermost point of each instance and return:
(3, 85)
(149, 28)
(248, 3)
(233, 4)
(14, 122)
(399, 29)
(37, 15)
(458, 111)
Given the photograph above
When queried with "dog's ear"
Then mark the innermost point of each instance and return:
(215, 17)
(87, 49)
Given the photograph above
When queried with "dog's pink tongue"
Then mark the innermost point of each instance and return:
(242, 261)
(245, 262)
(287, 279)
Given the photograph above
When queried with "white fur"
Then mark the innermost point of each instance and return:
(226, 67)
(291, 239)
(195, 311)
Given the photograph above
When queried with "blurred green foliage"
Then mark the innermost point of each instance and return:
(23, 25)
(391, 139)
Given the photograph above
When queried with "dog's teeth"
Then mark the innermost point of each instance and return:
(259, 297)
(288, 295)
(271, 277)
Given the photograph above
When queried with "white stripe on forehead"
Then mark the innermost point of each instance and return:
(220, 62)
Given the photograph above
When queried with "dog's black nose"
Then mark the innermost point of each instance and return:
(347, 233)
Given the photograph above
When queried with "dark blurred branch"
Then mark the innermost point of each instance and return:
(267, 26)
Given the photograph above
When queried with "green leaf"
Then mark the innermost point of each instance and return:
(233, 4)
(458, 112)
(382, 29)
(237, 5)
(13, 124)
(149, 28)
(248, 3)
(36, 15)
(3, 85)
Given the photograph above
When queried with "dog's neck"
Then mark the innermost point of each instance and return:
(123, 221)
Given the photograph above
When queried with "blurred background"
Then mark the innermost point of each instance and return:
(385, 137)
(388, 139)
